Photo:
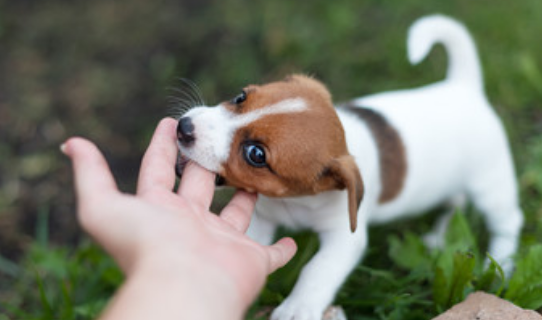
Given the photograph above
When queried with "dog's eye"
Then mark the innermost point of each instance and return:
(254, 155)
(240, 98)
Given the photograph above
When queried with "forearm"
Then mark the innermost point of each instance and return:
(184, 291)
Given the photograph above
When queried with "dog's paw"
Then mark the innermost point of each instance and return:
(433, 240)
(297, 310)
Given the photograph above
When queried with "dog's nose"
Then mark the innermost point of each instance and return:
(185, 131)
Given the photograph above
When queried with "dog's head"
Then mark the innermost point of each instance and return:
(281, 139)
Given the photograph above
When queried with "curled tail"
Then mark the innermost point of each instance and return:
(463, 63)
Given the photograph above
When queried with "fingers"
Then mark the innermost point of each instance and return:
(158, 164)
(197, 185)
(239, 210)
(280, 253)
(93, 179)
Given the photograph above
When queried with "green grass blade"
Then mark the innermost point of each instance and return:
(463, 274)
(525, 286)
(440, 289)
(45, 303)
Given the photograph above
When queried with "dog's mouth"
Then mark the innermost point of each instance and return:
(183, 160)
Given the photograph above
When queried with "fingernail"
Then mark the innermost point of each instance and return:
(63, 148)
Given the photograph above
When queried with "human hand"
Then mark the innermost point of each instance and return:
(159, 230)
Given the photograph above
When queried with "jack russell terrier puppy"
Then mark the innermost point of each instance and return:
(372, 160)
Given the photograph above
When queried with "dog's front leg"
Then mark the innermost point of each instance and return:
(322, 277)
(261, 230)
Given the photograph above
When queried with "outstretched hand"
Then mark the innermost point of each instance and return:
(161, 232)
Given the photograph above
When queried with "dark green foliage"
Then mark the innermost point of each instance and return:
(417, 282)
(525, 287)
(57, 284)
(449, 289)
(408, 253)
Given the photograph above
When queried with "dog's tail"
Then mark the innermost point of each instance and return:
(463, 63)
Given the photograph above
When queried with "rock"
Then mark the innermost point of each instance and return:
(334, 313)
(483, 306)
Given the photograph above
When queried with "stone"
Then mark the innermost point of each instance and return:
(483, 306)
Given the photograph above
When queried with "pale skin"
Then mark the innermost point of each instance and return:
(180, 260)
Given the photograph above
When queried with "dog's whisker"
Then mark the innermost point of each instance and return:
(181, 105)
(178, 105)
(191, 89)
(183, 101)
(194, 90)
(177, 110)
(184, 98)
(188, 95)
(182, 94)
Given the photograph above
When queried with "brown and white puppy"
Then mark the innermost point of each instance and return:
(375, 159)
(265, 157)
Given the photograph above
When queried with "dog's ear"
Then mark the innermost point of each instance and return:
(344, 173)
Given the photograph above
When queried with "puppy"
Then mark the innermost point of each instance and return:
(371, 160)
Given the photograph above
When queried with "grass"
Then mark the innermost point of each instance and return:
(406, 280)
(95, 61)
(59, 282)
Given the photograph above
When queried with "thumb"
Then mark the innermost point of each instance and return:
(281, 253)
(93, 179)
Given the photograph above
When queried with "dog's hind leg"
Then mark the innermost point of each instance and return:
(494, 193)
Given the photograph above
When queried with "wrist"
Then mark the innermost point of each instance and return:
(175, 289)
(202, 290)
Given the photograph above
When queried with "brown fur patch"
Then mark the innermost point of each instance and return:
(393, 164)
(298, 145)
(305, 151)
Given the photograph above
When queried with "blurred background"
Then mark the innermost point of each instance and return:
(107, 70)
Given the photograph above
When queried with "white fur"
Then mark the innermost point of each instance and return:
(215, 128)
(464, 64)
(284, 106)
(455, 146)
